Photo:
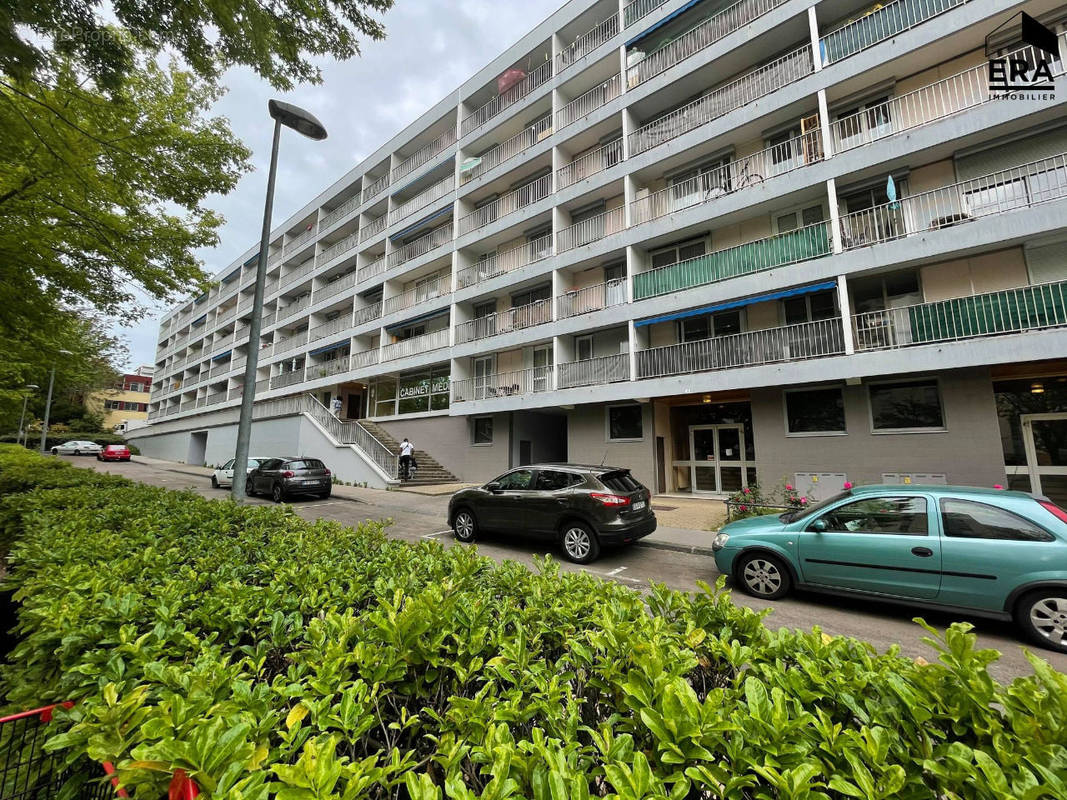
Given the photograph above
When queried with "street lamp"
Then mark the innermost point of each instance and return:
(48, 402)
(302, 122)
(29, 387)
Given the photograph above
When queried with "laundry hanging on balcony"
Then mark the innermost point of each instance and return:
(747, 301)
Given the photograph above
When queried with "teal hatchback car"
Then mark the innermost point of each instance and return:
(986, 551)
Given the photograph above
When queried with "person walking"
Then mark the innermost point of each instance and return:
(336, 405)
(407, 452)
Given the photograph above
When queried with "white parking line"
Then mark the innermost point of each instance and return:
(616, 571)
(320, 505)
(436, 533)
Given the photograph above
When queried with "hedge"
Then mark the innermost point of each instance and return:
(269, 656)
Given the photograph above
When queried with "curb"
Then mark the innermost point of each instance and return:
(693, 549)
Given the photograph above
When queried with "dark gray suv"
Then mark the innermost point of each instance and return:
(281, 477)
(578, 506)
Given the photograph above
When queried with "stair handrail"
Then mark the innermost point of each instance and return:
(363, 439)
(375, 438)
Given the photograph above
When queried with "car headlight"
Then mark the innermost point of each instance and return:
(720, 541)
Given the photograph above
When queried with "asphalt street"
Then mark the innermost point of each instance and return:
(418, 517)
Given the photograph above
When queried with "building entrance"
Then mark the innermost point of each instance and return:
(718, 452)
(1045, 445)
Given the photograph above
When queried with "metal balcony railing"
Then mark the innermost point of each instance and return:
(372, 269)
(421, 246)
(238, 366)
(505, 261)
(720, 101)
(788, 343)
(638, 9)
(996, 193)
(217, 397)
(339, 213)
(536, 313)
(1009, 311)
(590, 163)
(345, 432)
(435, 192)
(218, 369)
(268, 319)
(341, 323)
(294, 307)
(300, 239)
(373, 228)
(287, 378)
(591, 230)
(515, 200)
(588, 42)
(424, 154)
(376, 188)
(509, 148)
(270, 286)
(290, 342)
(335, 366)
(337, 248)
(368, 313)
(299, 272)
(275, 258)
(337, 286)
(415, 345)
(734, 176)
(503, 384)
(226, 316)
(438, 287)
(537, 76)
(589, 102)
(367, 358)
(262, 385)
(880, 24)
(591, 298)
(236, 391)
(594, 371)
(803, 244)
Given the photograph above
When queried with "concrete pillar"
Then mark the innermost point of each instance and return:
(629, 194)
(813, 29)
(824, 126)
(835, 215)
(846, 314)
(632, 333)
(628, 126)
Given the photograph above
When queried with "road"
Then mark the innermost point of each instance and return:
(418, 517)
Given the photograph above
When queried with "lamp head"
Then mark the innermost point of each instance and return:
(32, 386)
(297, 118)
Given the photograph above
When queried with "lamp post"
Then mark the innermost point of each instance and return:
(302, 122)
(48, 402)
(29, 387)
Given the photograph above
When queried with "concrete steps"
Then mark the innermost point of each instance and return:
(430, 471)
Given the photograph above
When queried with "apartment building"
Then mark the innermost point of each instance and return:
(124, 405)
(716, 242)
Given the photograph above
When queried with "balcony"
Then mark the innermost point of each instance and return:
(425, 154)
(415, 345)
(275, 258)
(290, 343)
(302, 237)
(594, 371)
(335, 366)
(802, 244)
(883, 23)
(294, 307)
(589, 102)
(227, 315)
(236, 392)
(590, 163)
(438, 287)
(508, 149)
(262, 385)
(342, 323)
(537, 313)
(770, 346)
(373, 228)
(376, 188)
(734, 95)
(217, 397)
(238, 366)
(995, 313)
(367, 358)
(421, 246)
(339, 213)
(508, 203)
(591, 230)
(299, 272)
(503, 384)
(587, 42)
(337, 248)
(533, 79)
(218, 369)
(372, 269)
(335, 287)
(591, 298)
(368, 313)
(639, 9)
(287, 378)
(505, 261)
(423, 199)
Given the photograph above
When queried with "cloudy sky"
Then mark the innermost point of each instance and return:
(432, 46)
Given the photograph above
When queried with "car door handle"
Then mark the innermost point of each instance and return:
(925, 552)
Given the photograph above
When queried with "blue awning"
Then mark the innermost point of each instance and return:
(405, 323)
(252, 260)
(232, 275)
(696, 312)
(199, 320)
(221, 356)
(662, 22)
(330, 347)
(419, 176)
(200, 299)
(416, 225)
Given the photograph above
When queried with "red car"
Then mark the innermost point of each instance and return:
(114, 452)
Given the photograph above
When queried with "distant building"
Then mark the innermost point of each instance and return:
(126, 402)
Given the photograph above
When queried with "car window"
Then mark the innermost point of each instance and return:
(621, 481)
(900, 515)
(305, 463)
(229, 464)
(270, 463)
(551, 480)
(519, 479)
(967, 519)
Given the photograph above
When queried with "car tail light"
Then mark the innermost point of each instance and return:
(1053, 509)
(327, 473)
(612, 500)
(288, 474)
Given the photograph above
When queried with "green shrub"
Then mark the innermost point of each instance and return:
(274, 657)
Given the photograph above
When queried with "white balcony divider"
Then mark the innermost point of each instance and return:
(748, 171)
(290, 342)
(345, 432)
(508, 203)
(435, 192)
(605, 156)
(335, 287)
(884, 22)
(698, 38)
(591, 230)
(376, 188)
(337, 248)
(536, 313)
(999, 192)
(587, 42)
(424, 154)
(373, 228)
(594, 371)
(421, 246)
(335, 366)
(722, 100)
(503, 384)
(591, 298)
(588, 102)
(295, 307)
(509, 148)
(773, 345)
(287, 378)
(367, 358)
(639, 9)
(368, 271)
(341, 323)
(416, 345)
(300, 239)
(439, 287)
(342, 211)
(537, 76)
(368, 313)
(505, 261)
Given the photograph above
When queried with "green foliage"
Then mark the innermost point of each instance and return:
(755, 500)
(272, 657)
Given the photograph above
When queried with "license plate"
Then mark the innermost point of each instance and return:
(639, 505)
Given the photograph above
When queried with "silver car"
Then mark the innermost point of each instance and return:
(223, 476)
(76, 448)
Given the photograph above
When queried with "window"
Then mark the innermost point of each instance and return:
(812, 215)
(483, 430)
(815, 411)
(519, 479)
(699, 183)
(229, 464)
(621, 481)
(886, 291)
(966, 519)
(864, 123)
(307, 463)
(583, 347)
(895, 515)
(531, 296)
(785, 152)
(914, 405)
(625, 423)
(724, 323)
(810, 307)
(550, 480)
(682, 251)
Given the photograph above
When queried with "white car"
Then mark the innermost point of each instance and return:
(77, 449)
(223, 476)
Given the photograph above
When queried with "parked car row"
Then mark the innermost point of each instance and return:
(279, 478)
(109, 452)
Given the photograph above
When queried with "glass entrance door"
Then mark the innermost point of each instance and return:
(1045, 442)
(718, 458)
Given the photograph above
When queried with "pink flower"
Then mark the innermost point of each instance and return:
(803, 501)
(746, 491)
(788, 488)
(848, 484)
(997, 486)
(742, 508)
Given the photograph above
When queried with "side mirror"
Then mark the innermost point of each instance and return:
(493, 486)
(818, 526)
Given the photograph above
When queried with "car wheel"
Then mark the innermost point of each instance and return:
(580, 544)
(250, 490)
(214, 482)
(465, 526)
(77, 452)
(277, 494)
(764, 576)
(1043, 615)
(324, 495)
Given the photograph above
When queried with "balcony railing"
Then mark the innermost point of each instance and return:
(589, 102)
(423, 199)
(591, 298)
(262, 385)
(300, 238)
(503, 384)
(512, 319)
(425, 154)
(275, 258)
(421, 246)
(774, 345)
(294, 307)
(508, 203)
(587, 42)
(236, 392)
(268, 318)
(342, 211)
(590, 163)
(341, 323)
(217, 397)
(441, 285)
(802, 244)
(290, 342)
(337, 248)
(376, 188)
(720, 101)
(504, 261)
(416, 345)
(1010, 311)
(591, 230)
(883, 23)
(734, 176)
(638, 9)
(337, 286)
(215, 371)
(537, 76)
(594, 371)
(372, 269)
(238, 366)
(367, 358)
(373, 228)
(368, 313)
(301, 271)
(287, 378)
(334, 366)
(509, 148)
(226, 316)
(698, 38)
(996, 193)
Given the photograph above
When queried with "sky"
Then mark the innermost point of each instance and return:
(431, 47)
